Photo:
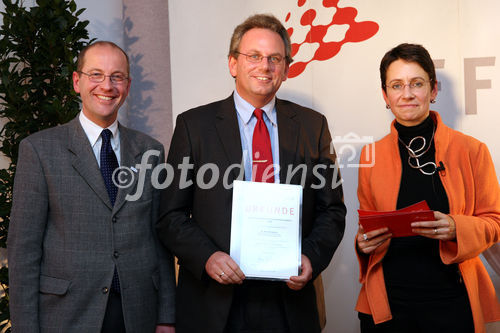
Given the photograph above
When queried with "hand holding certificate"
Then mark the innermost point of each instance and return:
(265, 229)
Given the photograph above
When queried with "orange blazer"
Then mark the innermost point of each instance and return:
(473, 192)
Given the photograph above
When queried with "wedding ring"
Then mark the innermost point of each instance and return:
(365, 237)
(221, 275)
(435, 231)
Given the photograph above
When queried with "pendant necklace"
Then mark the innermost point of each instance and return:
(415, 154)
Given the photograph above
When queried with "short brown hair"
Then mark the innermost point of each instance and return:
(262, 21)
(409, 53)
(81, 57)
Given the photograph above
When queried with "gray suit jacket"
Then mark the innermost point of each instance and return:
(65, 238)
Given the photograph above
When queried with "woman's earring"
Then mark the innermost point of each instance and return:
(388, 107)
(433, 101)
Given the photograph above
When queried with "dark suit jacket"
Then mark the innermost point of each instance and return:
(65, 238)
(194, 223)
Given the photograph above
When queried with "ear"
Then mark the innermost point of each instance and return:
(386, 99)
(233, 66)
(76, 82)
(287, 69)
(128, 84)
(434, 90)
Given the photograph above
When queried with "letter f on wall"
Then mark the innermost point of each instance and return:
(472, 84)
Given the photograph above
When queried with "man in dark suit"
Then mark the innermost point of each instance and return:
(83, 256)
(195, 220)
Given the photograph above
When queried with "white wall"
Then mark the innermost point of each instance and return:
(105, 19)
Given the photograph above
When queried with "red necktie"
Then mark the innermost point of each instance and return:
(262, 159)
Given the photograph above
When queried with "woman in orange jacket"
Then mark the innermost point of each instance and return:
(434, 281)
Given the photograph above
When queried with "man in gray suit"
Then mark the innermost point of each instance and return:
(83, 257)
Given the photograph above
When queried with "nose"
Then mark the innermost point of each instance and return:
(107, 84)
(407, 91)
(266, 63)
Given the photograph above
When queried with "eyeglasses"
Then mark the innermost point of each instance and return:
(257, 58)
(99, 77)
(414, 85)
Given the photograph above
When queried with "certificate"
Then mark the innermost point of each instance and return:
(266, 229)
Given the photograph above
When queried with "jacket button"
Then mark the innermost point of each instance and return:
(105, 290)
(116, 254)
(114, 219)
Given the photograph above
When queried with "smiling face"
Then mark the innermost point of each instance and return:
(257, 83)
(409, 106)
(101, 101)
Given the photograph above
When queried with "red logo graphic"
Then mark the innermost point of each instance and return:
(357, 32)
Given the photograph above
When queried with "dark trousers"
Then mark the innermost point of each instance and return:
(444, 316)
(258, 308)
(113, 319)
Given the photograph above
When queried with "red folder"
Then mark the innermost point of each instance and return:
(398, 221)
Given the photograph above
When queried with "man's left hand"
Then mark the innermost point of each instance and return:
(298, 282)
(165, 328)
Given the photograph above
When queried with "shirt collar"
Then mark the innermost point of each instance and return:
(93, 130)
(245, 109)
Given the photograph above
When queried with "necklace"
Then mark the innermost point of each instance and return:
(415, 154)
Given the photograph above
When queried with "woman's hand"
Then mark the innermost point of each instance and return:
(368, 242)
(443, 228)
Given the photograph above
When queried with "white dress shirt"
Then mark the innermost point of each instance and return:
(93, 132)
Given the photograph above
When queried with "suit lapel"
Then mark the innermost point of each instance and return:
(131, 154)
(288, 134)
(228, 131)
(84, 161)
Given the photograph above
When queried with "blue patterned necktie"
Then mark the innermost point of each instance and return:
(108, 165)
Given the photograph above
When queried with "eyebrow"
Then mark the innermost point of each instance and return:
(101, 71)
(253, 51)
(413, 78)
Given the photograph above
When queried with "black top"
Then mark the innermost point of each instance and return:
(413, 269)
